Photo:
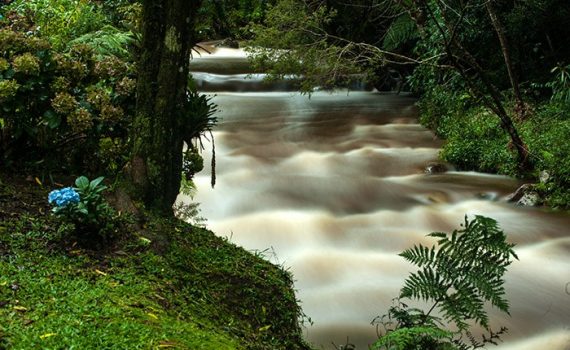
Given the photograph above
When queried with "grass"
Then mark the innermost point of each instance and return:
(185, 289)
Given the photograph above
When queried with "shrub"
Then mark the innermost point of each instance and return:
(85, 207)
(474, 139)
(58, 107)
(60, 21)
(547, 134)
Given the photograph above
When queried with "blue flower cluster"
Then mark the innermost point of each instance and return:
(63, 197)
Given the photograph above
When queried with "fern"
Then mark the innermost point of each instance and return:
(108, 41)
(413, 338)
(459, 276)
(402, 30)
(464, 273)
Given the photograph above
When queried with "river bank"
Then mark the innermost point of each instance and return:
(169, 285)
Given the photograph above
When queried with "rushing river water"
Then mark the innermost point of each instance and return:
(333, 187)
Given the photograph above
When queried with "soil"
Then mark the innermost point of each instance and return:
(22, 194)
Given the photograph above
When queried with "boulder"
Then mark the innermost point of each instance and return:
(530, 199)
(525, 196)
(519, 193)
(435, 168)
(229, 43)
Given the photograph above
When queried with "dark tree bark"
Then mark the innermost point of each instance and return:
(156, 163)
(513, 78)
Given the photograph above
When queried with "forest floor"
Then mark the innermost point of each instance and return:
(167, 285)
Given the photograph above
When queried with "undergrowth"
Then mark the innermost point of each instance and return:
(474, 140)
(167, 285)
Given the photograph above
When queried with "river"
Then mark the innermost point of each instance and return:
(333, 187)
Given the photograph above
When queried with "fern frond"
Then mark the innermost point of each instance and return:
(419, 255)
(404, 338)
(107, 41)
(402, 30)
(464, 273)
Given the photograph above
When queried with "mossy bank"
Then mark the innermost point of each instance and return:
(168, 285)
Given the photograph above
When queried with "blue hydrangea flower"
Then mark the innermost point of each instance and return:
(63, 197)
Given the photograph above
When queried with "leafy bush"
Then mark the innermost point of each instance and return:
(458, 279)
(547, 135)
(474, 139)
(58, 107)
(223, 19)
(85, 207)
(560, 85)
(60, 21)
(108, 41)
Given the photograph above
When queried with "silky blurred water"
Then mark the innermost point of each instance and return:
(333, 187)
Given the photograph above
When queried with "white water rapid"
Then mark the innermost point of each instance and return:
(333, 187)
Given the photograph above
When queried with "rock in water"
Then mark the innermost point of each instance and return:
(525, 196)
(435, 168)
(530, 199)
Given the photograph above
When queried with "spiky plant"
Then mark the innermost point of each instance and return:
(458, 277)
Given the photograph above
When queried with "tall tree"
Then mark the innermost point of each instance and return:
(501, 34)
(449, 21)
(162, 100)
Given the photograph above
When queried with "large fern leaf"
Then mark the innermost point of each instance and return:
(108, 41)
(402, 30)
(463, 273)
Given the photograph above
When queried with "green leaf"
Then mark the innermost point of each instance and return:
(82, 182)
(464, 273)
(52, 119)
(96, 182)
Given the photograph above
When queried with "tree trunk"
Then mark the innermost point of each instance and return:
(520, 107)
(156, 163)
(491, 96)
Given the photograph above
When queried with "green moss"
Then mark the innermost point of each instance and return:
(171, 40)
(187, 289)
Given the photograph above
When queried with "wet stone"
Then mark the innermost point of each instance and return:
(435, 168)
(530, 199)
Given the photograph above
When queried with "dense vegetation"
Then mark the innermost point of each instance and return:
(169, 285)
(493, 78)
(82, 94)
(95, 268)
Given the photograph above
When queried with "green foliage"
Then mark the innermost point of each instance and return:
(58, 107)
(475, 141)
(197, 121)
(420, 338)
(60, 21)
(108, 41)
(190, 212)
(230, 18)
(292, 41)
(548, 132)
(192, 163)
(458, 278)
(466, 271)
(171, 285)
(92, 216)
(560, 85)
(54, 299)
(401, 31)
